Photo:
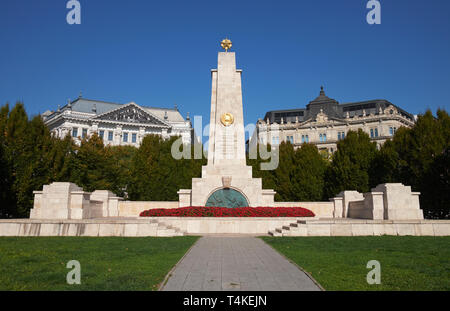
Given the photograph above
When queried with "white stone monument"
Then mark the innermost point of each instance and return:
(226, 179)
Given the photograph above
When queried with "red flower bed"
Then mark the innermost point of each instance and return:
(201, 211)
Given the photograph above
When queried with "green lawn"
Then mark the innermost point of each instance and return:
(38, 263)
(339, 263)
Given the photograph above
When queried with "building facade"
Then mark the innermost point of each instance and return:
(116, 124)
(324, 122)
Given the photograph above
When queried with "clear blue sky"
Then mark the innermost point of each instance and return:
(158, 53)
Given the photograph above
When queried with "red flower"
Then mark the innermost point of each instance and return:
(201, 211)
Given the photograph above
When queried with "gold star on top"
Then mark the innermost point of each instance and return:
(226, 44)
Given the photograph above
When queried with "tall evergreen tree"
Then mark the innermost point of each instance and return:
(8, 202)
(91, 167)
(308, 174)
(349, 169)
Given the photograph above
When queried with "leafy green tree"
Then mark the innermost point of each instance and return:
(18, 154)
(308, 174)
(156, 175)
(91, 167)
(299, 175)
(350, 166)
(61, 158)
(35, 166)
(435, 191)
(6, 177)
(284, 172)
(121, 160)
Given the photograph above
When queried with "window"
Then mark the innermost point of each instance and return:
(75, 132)
(133, 138)
(101, 134)
(305, 139)
(341, 135)
(125, 137)
(323, 137)
(373, 132)
(110, 135)
(84, 134)
(290, 139)
(275, 141)
(392, 131)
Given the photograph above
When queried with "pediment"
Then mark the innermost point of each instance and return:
(131, 113)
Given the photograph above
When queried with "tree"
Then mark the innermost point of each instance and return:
(121, 159)
(349, 169)
(156, 175)
(8, 203)
(283, 173)
(91, 168)
(308, 175)
(35, 165)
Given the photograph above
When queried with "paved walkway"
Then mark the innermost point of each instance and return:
(236, 263)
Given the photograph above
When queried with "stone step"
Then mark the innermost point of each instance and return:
(165, 232)
(275, 233)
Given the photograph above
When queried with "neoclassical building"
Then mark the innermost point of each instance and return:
(117, 124)
(324, 122)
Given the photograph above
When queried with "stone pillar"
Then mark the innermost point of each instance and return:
(400, 203)
(349, 196)
(59, 200)
(141, 134)
(338, 203)
(109, 202)
(79, 205)
(268, 197)
(373, 202)
(93, 129)
(226, 151)
(118, 135)
(184, 196)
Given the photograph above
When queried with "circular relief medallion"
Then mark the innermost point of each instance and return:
(227, 119)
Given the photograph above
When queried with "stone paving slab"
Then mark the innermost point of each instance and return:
(236, 263)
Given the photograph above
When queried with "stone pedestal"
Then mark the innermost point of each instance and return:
(392, 201)
(109, 204)
(60, 200)
(400, 202)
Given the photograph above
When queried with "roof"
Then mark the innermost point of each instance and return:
(332, 109)
(85, 105)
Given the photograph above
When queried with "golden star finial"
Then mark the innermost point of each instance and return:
(226, 44)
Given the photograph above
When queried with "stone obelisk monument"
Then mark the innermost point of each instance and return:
(226, 179)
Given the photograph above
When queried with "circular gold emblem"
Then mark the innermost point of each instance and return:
(227, 119)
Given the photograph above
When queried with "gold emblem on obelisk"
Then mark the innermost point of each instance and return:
(226, 44)
(227, 119)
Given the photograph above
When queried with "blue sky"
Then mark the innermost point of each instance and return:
(159, 53)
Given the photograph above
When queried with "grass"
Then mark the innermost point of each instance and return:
(339, 263)
(107, 263)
